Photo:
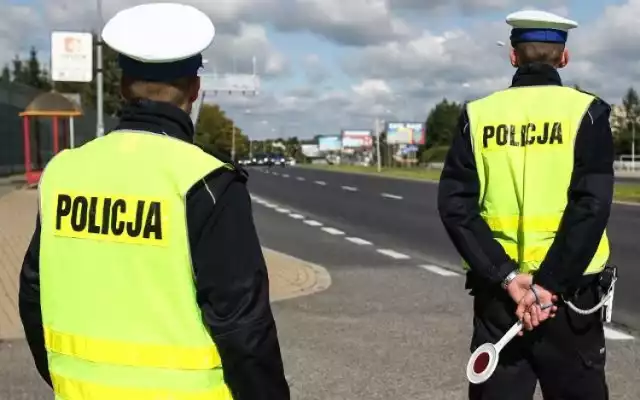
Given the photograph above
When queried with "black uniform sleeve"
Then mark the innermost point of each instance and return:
(589, 204)
(29, 304)
(458, 197)
(233, 287)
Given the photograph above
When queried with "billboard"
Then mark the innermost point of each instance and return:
(405, 133)
(357, 139)
(71, 57)
(329, 143)
(310, 150)
(245, 83)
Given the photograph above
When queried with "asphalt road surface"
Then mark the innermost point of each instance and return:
(401, 215)
(390, 326)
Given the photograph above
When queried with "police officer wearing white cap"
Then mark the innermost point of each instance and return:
(525, 197)
(145, 278)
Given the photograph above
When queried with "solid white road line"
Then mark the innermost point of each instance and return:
(438, 270)
(282, 210)
(300, 178)
(359, 241)
(393, 254)
(349, 188)
(269, 205)
(296, 216)
(312, 223)
(321, 183)
(333, 231)
(391, 196)
(612, 334)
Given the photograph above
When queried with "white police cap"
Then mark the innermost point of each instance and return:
(159, 41)
(539, 26)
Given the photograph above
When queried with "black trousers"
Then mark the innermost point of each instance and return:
(565, 354)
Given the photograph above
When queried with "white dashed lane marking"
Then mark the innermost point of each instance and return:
(391, 196)
(312, 223)
(359, 241)
(393, 254)
(333, 231)
(609, 333)
(349, 188)
(321, 183)
(438, 270)
(300, 178)
(612, 334)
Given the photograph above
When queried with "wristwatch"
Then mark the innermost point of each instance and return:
(508, 279)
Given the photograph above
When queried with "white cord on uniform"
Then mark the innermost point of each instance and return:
(597, 306)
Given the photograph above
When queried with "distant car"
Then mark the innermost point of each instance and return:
(260, 159)
(245, 161)
(277, 159)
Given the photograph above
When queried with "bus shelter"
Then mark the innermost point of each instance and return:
(61, 112)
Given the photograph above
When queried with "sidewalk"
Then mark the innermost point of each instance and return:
(289, 277)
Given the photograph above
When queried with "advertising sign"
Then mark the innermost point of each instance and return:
(329, 143)
(357, 139)
(245, 83)
(310, 150)
(71, 57)
(405, 133)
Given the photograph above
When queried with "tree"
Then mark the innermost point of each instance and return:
(18, 70)
(6, 74)
(628, 122)
(214, 132)
(441, 123)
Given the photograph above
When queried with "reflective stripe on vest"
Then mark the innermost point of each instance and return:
(117, 288)
(523, 143)
(69, 389)
(132, 354)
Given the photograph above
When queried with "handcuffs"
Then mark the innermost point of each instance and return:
(606, 289)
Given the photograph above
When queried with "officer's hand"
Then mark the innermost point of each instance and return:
(519, 287)
(531, 312)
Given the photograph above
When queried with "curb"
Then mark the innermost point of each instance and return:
(321, 277)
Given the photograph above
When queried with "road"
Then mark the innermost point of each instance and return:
(401, 216)
(390, 326)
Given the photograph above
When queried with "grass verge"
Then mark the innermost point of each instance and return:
(626, 192)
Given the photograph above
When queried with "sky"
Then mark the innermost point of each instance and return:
(329, 65)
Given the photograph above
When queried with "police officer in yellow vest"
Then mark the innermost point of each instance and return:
(145, 278)
(525, 197)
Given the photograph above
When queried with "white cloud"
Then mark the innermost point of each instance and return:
(390, 68)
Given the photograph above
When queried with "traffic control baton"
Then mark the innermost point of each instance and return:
(484, 360)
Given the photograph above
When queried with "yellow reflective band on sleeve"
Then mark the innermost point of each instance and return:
(544, 223)
(132, 354)
(71, 389)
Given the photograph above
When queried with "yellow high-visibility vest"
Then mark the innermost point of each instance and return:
(117, 284)
(523, 141)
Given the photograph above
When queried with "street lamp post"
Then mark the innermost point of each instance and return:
(378, 158)
(633, 144)
(99, 76)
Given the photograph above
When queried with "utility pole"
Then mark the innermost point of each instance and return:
(233, 142)
(377, 130)
(633, 144)
(99, 76)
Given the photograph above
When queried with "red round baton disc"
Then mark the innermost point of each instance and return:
(481, 363)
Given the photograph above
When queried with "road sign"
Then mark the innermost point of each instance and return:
(71, 57)
(232, 83)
